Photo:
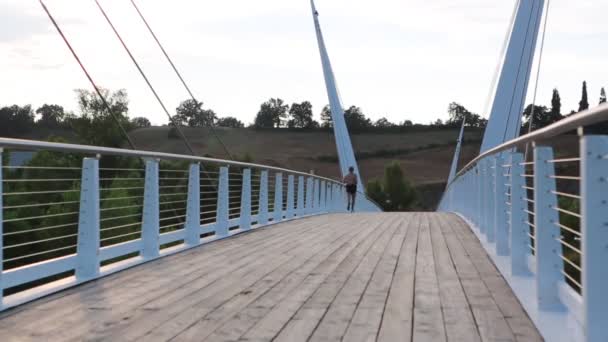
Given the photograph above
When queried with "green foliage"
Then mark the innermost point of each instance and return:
(95, 126)
(584, 102)
(16, 120)
(356, 120)
(191, 113)
(301, 116)
(271, 114)
(602, 96)
(51, 116)
(556, 105)
(326, 120)
(542, 117)
(384, 123)
(395, 192)
(140, 122)
(458, 112)
(230, 122)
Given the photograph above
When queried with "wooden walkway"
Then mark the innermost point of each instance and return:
(357, 277)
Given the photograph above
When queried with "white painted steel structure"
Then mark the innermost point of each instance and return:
(346, 155)
(206, 199)
(510, 90)
(548, 238)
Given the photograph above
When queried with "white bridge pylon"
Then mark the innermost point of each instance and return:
(344, 146)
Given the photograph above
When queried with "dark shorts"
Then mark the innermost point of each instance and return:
(351, 189)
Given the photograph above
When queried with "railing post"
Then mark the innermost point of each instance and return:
(323, 196)
(548, 248)
(245, 221)
(290, 197)
(301, 205)
(500, 206)
(222, 204)
(263, 210)
(193, 208)
(1, 234)
(491, 229)
(479, 204)
(278, 197)
(519, 229)
(317, 193)
(151, 215)
(594, 240)
(309, 196)
(483, 225)
(87, 266)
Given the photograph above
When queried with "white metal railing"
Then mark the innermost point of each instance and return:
(544, 221)
(74, 213)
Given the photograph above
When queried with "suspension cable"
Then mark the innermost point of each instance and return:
(97, 90)
(540, 60)
(141, 72)
(211, 125)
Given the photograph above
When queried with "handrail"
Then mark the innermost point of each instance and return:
(34, 145)
(589, 117)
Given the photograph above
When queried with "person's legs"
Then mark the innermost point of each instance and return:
(348, 200)
(352, 205)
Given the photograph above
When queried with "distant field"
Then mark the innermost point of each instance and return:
(302, 150)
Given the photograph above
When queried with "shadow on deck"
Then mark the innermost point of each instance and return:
(386, 277)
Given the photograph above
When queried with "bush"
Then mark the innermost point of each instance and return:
(395, 192)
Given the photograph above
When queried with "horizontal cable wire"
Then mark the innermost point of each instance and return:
(39, 253)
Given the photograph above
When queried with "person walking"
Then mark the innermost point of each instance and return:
(350, 181)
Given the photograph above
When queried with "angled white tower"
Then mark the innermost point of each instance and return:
(454, 167)
(505, 117)
(343, 143)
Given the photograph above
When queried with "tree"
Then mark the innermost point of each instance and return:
(603, 96)
(301, 116)
(542, 117)
(458, 112)
(584, 103)
(394, 193)
(356, 120)
(271, 114)
(556, 105)
(16, 120)
(326, 120)
(230, 122)
(95, 125)
(190, 112)
(50, 115)
(140, 122)
(407, 123)
(383, 123)
(437, 123)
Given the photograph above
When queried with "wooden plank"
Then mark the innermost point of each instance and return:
(63, 303)
(366, 321)
(399, 312)
(120, 307)
(459, 322)
(428, 317)
(491, 324)
(521, 325)
(185, 302)
(302, 310)
(266, 291)
(342, 302)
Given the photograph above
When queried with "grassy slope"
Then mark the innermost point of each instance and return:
(427, 168)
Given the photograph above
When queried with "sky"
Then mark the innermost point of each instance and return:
(399, 59)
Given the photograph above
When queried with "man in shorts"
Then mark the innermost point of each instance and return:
(350, 181)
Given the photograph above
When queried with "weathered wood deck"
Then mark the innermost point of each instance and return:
(358, 277)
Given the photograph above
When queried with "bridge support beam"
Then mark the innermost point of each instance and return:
(309, 195)
(151, 212)
(245, 221)
(549, 265)
(87, 261)
(193, 208)
(594, 224)
(263, 205)
(222, 215)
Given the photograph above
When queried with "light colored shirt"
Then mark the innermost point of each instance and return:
(350, 179)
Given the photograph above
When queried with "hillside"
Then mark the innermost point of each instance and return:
(425, 156)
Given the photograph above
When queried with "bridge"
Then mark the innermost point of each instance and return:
(121, 244)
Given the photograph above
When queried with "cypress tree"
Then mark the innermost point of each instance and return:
(556, 104)
(603, 96)
(584, 104)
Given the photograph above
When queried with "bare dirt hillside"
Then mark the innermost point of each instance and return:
(425, 156)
